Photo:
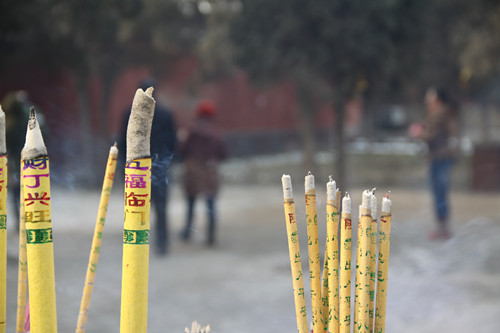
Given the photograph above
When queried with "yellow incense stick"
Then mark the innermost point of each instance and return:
(332, 217)
(362, 287)
(383, 264)
(22, 272)
(40, 252)
(3, 224)
(345, 267)
(135, 266)
(3, 241)
(96, 241)
(373, 256)
(324, 291)
(313, 247)
(294, 251)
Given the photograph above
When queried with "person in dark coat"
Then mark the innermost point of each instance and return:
(440, 132)
(163, 143)
(201, 151)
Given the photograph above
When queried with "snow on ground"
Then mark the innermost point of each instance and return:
(244, 283)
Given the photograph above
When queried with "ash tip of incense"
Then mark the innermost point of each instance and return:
(113, 151)
(286, 181)
(3, 145)
(139, 125)
(309, 182)
(366, 200)
(386, 204)
(331, 189)
(34, 145)
(32, 118)
(346, 204)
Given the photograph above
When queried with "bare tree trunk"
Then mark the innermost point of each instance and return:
(340, 161)
(307, 128)
(107, 89)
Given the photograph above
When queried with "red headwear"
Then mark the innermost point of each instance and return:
(206, 109)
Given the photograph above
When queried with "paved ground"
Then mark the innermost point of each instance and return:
(244, 283)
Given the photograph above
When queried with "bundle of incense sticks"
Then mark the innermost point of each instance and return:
(331, 298)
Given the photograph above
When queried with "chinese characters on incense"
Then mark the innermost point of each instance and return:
(135, 267)
(97, 239)
(336, 291)
(35, 175)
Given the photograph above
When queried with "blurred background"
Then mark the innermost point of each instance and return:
(324, 80)
(330, 86)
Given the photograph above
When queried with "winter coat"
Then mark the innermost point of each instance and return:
(202, 151)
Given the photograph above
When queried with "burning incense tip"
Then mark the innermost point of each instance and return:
(113, 151)
(3, 146)
(139, 125)
(366, 201)
(346, 204)
(386, 204)
(309, 182)
(331, 190)
(34, 146)
(286, 180)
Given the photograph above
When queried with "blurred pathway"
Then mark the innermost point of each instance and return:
(244, 284)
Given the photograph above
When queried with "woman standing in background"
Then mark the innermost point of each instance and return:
(439, 131)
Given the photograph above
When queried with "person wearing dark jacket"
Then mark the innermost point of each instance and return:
(440, 132)
(201, 151)
(163, 145)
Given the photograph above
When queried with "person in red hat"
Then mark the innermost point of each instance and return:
(202, 151)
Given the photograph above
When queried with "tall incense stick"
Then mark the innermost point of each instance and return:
(135, 267)
(22, 271)
(383, 264)
(35, 174)
(345, 266)
(96, 241)
(3, 224)
(332, 244)
(313, 247)
(362, 295)
(294, 251)
(373, 256)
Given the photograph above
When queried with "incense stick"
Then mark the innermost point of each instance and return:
(135, 267)
(332, 219)
(383, 264)
(35, 174)
(22, 271)
(313, 247)
(294, 251)
(3, 224)
(97, 239)
(362, 296)
(345, 266)
(373, 256)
